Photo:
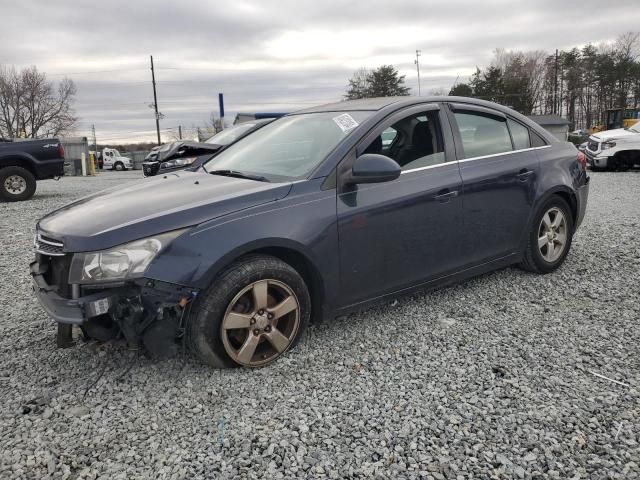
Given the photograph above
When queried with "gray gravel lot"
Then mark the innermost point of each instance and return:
(489, 379)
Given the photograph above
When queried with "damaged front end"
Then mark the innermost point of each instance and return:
(177, 156)
(107, 296)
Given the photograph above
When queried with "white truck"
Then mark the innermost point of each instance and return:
(617, 149)
(112, 159)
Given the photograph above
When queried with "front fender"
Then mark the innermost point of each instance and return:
(21, 157)
(304, 223)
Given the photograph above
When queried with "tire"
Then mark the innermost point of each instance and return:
(537, 256)
(231, 299)
(16, 184)
(119, 166)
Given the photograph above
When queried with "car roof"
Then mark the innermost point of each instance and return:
(362, 104)
(380, 103)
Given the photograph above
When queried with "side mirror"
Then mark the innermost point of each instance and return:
(374, 168)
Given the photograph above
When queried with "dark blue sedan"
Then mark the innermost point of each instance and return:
(316, 214)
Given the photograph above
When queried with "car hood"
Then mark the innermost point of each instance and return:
(152, 206)
(182, 149)
(613, 134)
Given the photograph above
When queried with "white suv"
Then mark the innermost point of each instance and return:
(614, 149)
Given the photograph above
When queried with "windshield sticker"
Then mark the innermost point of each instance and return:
(346, 122)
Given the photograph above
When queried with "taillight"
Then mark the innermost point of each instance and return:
(60, 150)
(582, 160)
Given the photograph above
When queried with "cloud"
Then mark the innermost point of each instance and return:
(283, 54)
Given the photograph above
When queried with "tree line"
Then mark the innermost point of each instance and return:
(580, 84)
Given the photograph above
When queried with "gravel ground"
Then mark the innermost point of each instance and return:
(494, 378)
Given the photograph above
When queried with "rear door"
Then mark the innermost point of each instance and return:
(396, 234)
(499, 173)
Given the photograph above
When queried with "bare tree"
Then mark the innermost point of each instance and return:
(32, 107)
(358, 84)
(215, 122)
(438, 92)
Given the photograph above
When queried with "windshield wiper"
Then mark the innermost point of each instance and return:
(237, 174)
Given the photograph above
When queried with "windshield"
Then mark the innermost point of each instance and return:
(635, 127)
(231, 134)
(290, 147)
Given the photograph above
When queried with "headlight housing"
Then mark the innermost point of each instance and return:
(178, 162)
(120, 263)
(608, 145)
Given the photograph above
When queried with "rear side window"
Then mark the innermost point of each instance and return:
(482, 134)
(519, 134)
(537, 140)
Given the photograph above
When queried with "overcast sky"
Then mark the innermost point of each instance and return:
(278, 55)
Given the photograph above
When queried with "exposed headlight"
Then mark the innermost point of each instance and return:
(116, 264)
(607, 145)
(178, 162)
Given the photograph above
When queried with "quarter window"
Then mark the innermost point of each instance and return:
(536, 140)
(482, 134)
(519, 134)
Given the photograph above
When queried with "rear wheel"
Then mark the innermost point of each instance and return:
(550, 237)
(251, 315)
(16, 184)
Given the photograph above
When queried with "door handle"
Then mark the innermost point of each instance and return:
(524, 174)
(446, 195)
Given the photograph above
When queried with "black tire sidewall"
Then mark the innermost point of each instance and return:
(26, 175)
(118, 166)
(540, 262)
(205, 318)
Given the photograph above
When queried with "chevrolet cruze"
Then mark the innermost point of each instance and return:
(316, 214)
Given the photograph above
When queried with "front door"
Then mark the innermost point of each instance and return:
(499, 173)
(396, 234)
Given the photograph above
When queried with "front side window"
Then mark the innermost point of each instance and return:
(290, 147)
(482, 134)
(519, 134)
(413, 142)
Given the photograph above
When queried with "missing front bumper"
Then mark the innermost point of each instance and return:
(144, 311)
(72, 311)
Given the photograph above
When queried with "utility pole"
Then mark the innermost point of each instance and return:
(180, 132)
(417, 62)
(155, 100)
(555, 85)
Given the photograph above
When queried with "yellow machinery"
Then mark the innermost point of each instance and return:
(618, 118)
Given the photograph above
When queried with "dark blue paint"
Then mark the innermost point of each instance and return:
(359, 243)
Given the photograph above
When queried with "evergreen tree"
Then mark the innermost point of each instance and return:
(461, 90)
(381, 82)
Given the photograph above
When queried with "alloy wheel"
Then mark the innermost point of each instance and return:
(552, 234)
(15, 184)
(260, 323)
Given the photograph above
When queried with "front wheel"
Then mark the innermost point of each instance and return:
(255, 312)
(119, 166)
(16, 184)
(550, 237)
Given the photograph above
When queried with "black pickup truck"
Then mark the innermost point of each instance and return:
(24, 162)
